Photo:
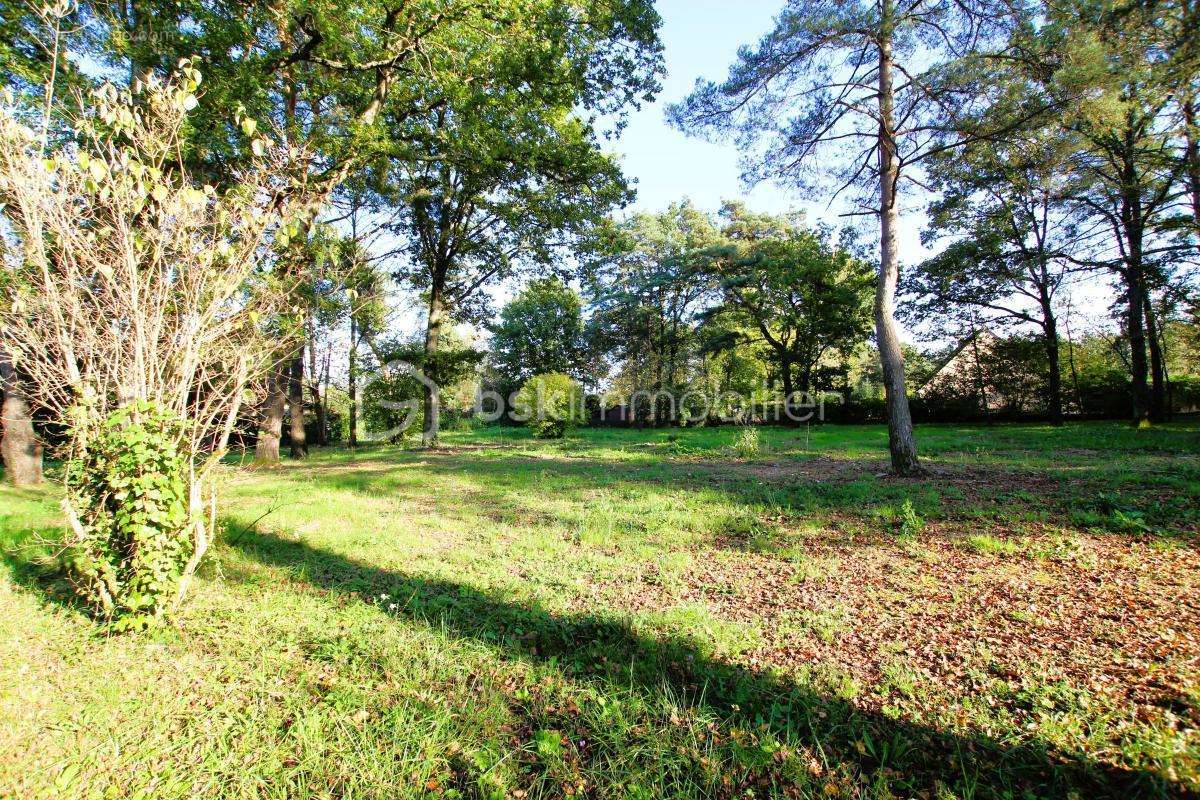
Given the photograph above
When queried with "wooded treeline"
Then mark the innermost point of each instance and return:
(454, 146)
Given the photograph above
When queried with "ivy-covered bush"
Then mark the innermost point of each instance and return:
(551, 404)
(127, 487)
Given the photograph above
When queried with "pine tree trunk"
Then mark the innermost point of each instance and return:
(314, 386)
(20, 448)
(322, 418)
(1132, 223)
(296, 433)
(353, 382)
(270, 427)
(1050, 336)
(431, 390)
(1074, 370)
(901, 442)
(1135, 291)
(1138, 366)
(1192, 156)
(1158, 372)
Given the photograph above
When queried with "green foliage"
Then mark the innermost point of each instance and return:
(552, 405)
(791, 291)
(35, 40)
(723, 313)
(1004, 205)
(540, 331)
(275, 59)
(730, 380)
(1185, 391)
(992, 545)
(643, 297)
(794, 123)
(500, 188)
(548, 744)
(128, 488)
(1096, 376)
(1010, 372)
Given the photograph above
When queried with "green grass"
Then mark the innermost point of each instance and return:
(636, 614)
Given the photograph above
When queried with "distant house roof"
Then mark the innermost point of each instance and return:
(958, 359)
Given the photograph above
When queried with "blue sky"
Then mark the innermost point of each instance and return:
(701, 38)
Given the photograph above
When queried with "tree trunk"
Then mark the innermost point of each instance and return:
(296, 433)
(901, 442)
(1192, 156)
(1135, 290)
(138, 28)
(1138, 367)
(1133, 226)
(980, 380)
(789, 386)
(1050, 336)
(431, 390)
(1074, 370)
(322, 417)
(1158, 371)
(270, 427)
(20, 448)
(352, 373)
(314, 386)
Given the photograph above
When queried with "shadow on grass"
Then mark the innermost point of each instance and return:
(30, 530)
(908, 759)
(30, 554)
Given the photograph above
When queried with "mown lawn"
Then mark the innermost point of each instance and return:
(630, 614)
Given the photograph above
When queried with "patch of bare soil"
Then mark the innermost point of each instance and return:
(822, 469)
(459, 449)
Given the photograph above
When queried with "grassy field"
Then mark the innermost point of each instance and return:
(628, 614)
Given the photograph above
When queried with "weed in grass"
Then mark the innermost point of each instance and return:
(1062, 547)
(748, 443)
(835, 682)
(900, 679)
(669, 570)
(711, 635)
(823, 624)
(747, 528)
(902, 518)
(809, 569)
(793, 544)
(992, 545)
(911, 523)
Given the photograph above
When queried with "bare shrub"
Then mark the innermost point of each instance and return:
(139, 298)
